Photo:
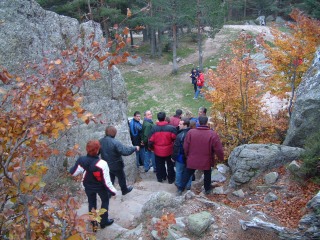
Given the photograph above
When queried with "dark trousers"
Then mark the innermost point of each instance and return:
(162, 170)
(92, 200)
(121, 179)
(189, 172)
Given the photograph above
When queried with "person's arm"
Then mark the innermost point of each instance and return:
(106, 176)
(125, 150)
(76, 169)
(186, 145)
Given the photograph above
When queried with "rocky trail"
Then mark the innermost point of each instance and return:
(126, 210)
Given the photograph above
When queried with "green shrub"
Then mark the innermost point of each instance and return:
(311, 158)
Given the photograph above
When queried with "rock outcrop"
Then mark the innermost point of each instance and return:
(29, 33)
(249, 160)
(306, 114)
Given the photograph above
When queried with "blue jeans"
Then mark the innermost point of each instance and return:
(198, 92)
(149, 156)
(189, 172)
(180, 169)
(140, 157)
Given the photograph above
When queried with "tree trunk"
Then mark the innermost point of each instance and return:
(159, 43)
(153, 42)
(199, 36)
(174, 49)
(131, 39)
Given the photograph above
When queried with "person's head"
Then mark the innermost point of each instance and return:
(161, 116)
(137, 116)
(178, 112)
(188, 114)
(93, 147)
(193, 124)
(111, 131)
(210, 125)
(202, 111)
(203, 120)
(184, 123)
(194, 70)
(148, 114)
(167, 119)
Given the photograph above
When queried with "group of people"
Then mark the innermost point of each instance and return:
(174, 147)
(197, 79)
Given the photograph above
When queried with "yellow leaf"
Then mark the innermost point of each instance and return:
(75, 237)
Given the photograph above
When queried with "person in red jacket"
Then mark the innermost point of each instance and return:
(161, 141)
(200, 146)
(175, 120)
(200, 84)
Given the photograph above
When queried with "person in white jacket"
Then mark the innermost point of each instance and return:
(96, 180)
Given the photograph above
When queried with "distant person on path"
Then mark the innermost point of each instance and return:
(175, 120)
(200, 147)
(161, 141)
(112, 151)
(194, 75)
(148, 154)
(178, 155)
(136, 137)
(96, 180)
(200, 84)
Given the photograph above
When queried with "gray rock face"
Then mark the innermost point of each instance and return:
(249, 160)
(29, 33)
(305, 115)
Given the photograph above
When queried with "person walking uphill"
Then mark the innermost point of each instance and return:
(96, 180)
(200, 146)
(112, 151)
(161, 140)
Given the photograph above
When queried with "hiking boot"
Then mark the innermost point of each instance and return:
(108, 223)
(129, 189)
(207, 192)
(179, 193)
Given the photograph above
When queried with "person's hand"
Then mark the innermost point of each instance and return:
(112, 194)
(138, 148)
(172, 160)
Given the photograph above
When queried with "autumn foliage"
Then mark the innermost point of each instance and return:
(236, 95)
(37, 107)
(291, 54)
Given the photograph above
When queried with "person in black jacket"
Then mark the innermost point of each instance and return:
(194, 75)
(112, 151)
(96, 180)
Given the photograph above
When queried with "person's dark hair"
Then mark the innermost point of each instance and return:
(178, 112)
(161, 116)
(203, 120)
(136, 113)
(186, 121)
(111, 131)
(93, 147)
(203, 110)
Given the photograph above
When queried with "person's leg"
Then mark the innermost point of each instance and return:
(153, 160)
(112, 176)
(122, 181)
(179, 171)
(170, 169)
(146, 159)
(141, 156)
(104, 196)
(161, 169)
(195, 87)
(188, 186)
(207, 180)
(138, 159)
(92, 199)
(185, 178)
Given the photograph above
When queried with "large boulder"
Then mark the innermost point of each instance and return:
(306, 113)
(249, 160)
(29, 33)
